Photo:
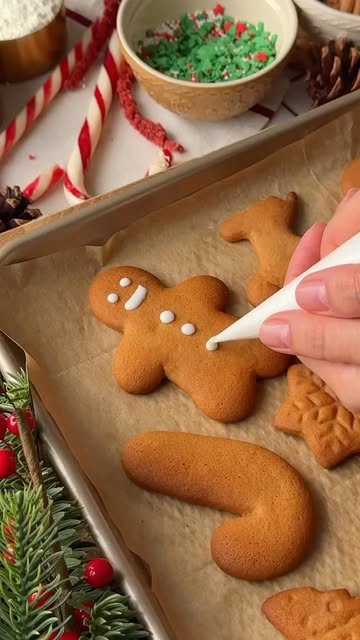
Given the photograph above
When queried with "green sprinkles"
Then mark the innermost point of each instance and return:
(208, 46)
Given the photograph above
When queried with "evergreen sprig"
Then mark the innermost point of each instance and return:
(28, 531)
(28, 566)
(111, 619)
(16, 392)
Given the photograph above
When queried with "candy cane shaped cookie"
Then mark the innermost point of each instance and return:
(275, 527)
(90, 133)
(43, 183)
(42, 98)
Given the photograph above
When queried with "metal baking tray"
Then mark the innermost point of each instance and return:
(132, 577)
(96, 220)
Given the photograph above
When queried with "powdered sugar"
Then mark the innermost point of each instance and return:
(20, 17)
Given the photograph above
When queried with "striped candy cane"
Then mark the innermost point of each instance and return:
(38, 103)
(161, 161)
(43, 183)
(74, 184)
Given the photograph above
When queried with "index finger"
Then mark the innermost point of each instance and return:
(344, 224)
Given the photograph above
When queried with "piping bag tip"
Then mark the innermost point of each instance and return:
(248, 327)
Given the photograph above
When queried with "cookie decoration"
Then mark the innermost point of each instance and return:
(314, 413)
(267, 225)
(351, 176)
(308, 614)
(272, 528)
(166, 330)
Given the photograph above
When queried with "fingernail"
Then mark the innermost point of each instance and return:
(312, 295)
(276, 333)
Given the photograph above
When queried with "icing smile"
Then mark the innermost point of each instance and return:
(137, 298)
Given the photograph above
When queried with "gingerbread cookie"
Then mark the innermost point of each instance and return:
(276, 527)
(267, 225)
(308, 614)
(351, 176)
(313, 412)
(166, 331)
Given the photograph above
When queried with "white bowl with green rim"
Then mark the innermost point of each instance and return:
(200, 100)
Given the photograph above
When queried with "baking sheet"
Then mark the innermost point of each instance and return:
(46, 311)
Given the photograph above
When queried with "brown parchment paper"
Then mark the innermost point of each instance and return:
(44, 308)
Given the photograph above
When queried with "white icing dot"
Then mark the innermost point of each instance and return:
(112, 298)
(167, 316)
(211, 345)
(188, 329)
(125, 282)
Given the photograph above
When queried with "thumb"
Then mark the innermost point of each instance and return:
(344, 224)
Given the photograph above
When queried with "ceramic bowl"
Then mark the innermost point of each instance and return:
(206, 101)
(323, 23)
(31, 55)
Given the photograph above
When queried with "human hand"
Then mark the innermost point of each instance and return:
(325, 333)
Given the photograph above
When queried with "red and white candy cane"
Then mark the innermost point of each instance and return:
(89, 136)
(161, 161)
(42, 98)
(43, 183)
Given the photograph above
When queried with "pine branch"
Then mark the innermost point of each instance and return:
(27, 526)
(111, 619)
(16, 392)
(47, 531)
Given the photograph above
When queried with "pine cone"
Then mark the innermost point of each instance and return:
(14, 209)
(333, 70)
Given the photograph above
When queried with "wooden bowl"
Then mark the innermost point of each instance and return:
(206, 101)
(31, 55)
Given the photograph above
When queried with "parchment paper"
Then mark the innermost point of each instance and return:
(44, 308)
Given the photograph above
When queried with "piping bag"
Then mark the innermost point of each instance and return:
(249, 325)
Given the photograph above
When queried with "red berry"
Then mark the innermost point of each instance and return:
(261, 56)
(67, 635)
(3, 426)
(218, 10)
(240, 28)
(40, 601)
(7, 463)
(82, 616)
(227, 25)
(98, 573)
(12, 424)
(10, 556)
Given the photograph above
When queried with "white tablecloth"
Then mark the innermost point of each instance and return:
(123, 155)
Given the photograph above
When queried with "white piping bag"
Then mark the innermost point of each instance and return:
(249, 325)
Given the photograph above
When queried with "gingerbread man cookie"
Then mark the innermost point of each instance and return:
(274, 527)
(166, 330)
(308, 614)
(267, 225)
(313, 412)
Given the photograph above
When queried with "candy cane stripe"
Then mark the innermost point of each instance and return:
(43, 183)
(101, 103)
(51, 87)
(91, 129)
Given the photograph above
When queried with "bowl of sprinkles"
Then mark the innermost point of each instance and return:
(207, 64)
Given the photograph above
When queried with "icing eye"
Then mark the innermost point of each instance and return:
(188, 329)
(112, 298)
(166, 317)
(125, 282)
